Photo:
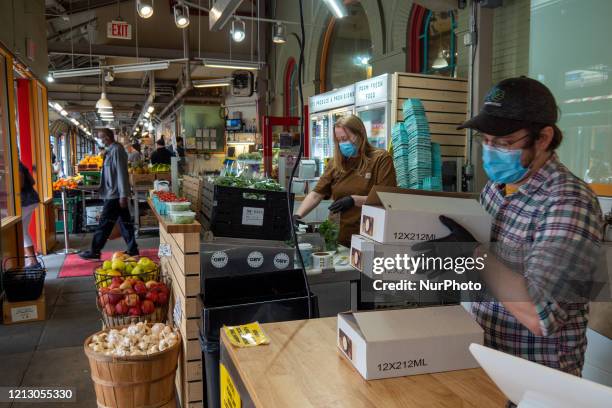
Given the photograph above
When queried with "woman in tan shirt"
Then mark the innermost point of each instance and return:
(355, 168)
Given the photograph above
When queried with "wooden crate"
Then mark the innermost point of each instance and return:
(192, 190)
(445, 101)
(163, 176)
(183, 266)
(142, 180)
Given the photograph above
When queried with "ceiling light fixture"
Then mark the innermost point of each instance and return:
(109, 76)
(440, 62)
(103, 103)
(212, 83)
(117, 69)
(147, 115)
(144, 8)
(181, 15)
(151, 108)
(229, 64)
(337, 8)
(63, 112)
(57, 107)
(238, 31)
(278, 33)
(50, 78)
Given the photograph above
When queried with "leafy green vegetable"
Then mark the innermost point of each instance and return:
(250, 156)
(244, 182)
(329, 230)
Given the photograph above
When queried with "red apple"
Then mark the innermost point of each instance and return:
(109, 310)
(132, 300)
(129, 291)
(125, 285)
(117, 279)
(162, 299)
(103, 290)
(164, 289)
(151, 284)
(104, 299)
(147, 307)
(140, 288)
(134, 311)
(152, 296)
(114, 296)
(121, 308)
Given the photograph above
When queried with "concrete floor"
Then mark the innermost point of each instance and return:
(50, 352)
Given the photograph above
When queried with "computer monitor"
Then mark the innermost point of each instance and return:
(532, 385)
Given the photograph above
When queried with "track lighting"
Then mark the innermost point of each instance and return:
(337, 8)
(278, 33)
(181, 15)
(238, 30)
(144, 8)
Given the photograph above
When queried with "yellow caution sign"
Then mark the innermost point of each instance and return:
(246, 335)
(230, 397)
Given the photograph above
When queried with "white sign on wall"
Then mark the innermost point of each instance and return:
(335, 99)
(119, 29)
(372, 90)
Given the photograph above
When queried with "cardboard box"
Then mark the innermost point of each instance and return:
(396, 343)
(364, 250)
(23, 312)
(394, 215)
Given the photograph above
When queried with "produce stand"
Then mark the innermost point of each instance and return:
(309, 370)
(180, 259)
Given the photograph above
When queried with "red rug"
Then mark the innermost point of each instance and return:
(74, 266)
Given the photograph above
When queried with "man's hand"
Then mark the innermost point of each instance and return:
(123, 202)
(342, 204)
(458, 243)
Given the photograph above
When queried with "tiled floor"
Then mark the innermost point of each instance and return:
(50, 353)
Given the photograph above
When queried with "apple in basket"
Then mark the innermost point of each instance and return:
(132, 300)
(152, 296)
(121, 308)
(147, 307)
(162, 299)
(109, 309)
(115, 296)
(135, 311)
(140, 288)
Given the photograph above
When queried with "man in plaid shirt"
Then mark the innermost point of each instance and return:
(547, 225)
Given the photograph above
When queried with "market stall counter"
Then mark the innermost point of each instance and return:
(180, 261)
(302, 367)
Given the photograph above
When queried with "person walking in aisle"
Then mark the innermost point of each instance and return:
(29, 202)
(114, 190)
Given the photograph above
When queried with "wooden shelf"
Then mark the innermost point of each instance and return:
(174, 228)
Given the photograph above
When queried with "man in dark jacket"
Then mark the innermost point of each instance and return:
(115, 191)
(161, 155)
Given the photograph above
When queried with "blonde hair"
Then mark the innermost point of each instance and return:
(352, 124)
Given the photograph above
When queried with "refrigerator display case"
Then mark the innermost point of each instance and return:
(373, 106)
(325, 109)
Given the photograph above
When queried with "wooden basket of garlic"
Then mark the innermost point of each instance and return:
(134, 366)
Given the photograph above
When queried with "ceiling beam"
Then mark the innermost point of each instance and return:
(117, 82)
(84, 5)
(91, 96)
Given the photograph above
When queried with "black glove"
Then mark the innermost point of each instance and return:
(459, 243)
(342, 204)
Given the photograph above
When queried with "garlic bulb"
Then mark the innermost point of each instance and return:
(157, 328)
(135, 340)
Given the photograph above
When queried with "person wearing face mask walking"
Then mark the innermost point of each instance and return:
(355, 168)
(546, 233)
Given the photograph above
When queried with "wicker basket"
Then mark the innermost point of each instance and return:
(134, 381)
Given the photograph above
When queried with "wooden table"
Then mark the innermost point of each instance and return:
(301, 367)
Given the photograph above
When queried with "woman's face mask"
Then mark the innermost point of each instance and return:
(348, 149)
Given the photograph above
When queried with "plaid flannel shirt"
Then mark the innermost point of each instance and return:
(548, 226)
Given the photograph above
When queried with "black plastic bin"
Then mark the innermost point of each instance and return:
(249, 213)
(215, 317)
(22, 283)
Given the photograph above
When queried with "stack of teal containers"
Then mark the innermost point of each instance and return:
(418, 162)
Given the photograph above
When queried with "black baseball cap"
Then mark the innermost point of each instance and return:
(514, 104)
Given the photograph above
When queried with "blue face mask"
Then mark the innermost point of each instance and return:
(348, 149)
(502, 165)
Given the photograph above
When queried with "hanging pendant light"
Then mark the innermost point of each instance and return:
(238, 31)
(278, 33)
(440, 62)
(181, 15)
(144, 8)
(103, 103)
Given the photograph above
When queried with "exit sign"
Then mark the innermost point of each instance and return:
(119, 29)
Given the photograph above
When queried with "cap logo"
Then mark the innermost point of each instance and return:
(495, 97)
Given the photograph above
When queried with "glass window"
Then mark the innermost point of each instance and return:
(350, 49)
(6, 180)
(439, 43)
(579, 73)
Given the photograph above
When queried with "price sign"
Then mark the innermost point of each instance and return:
(252, 216)
(230, 398)
(164, 250)
(119, 29)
